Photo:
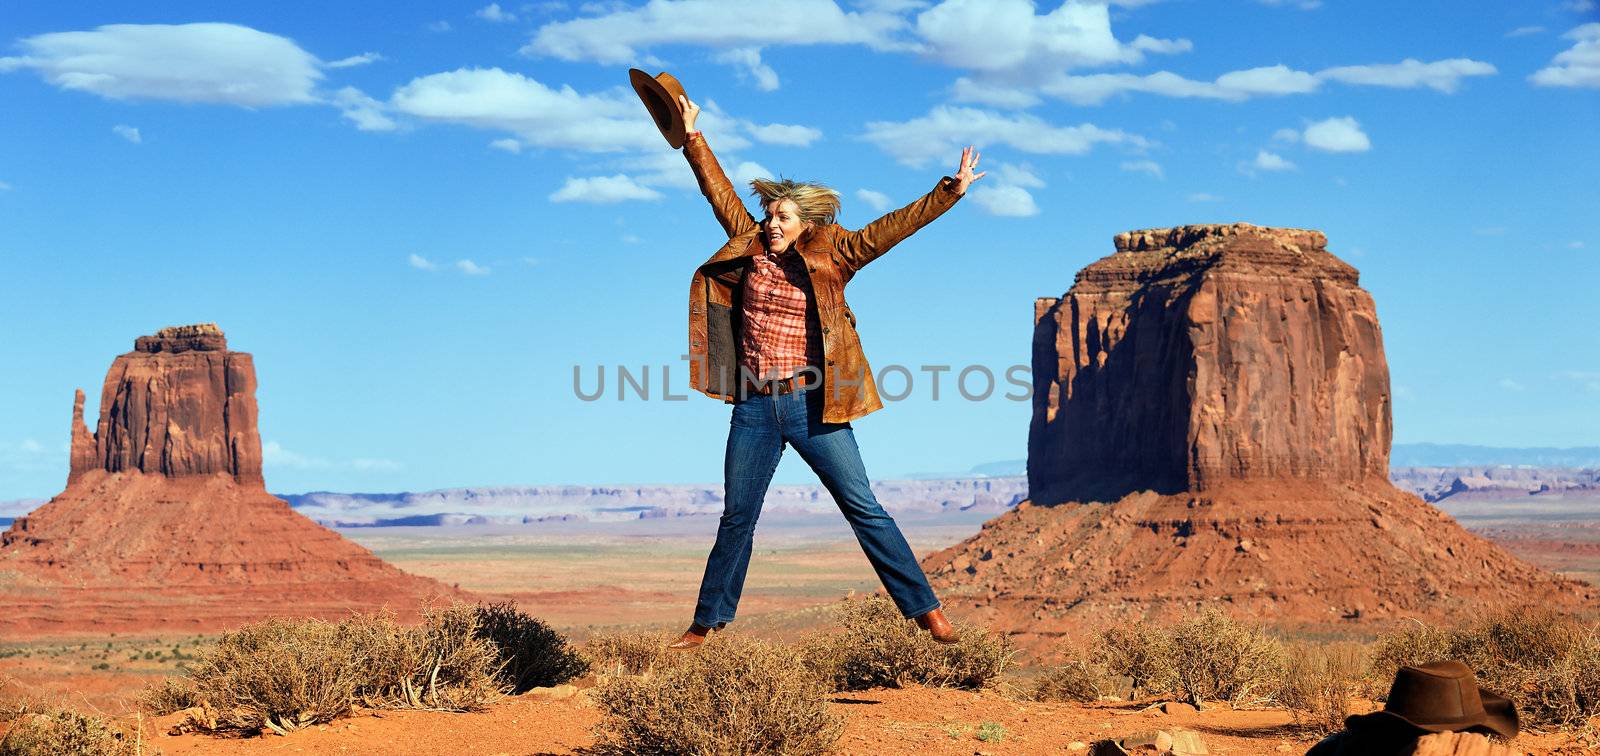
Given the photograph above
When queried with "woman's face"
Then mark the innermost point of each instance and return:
(782, 225)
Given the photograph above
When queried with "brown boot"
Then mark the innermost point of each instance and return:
(937, 626)
(694, 636)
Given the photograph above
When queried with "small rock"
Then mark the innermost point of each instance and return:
(1177, 707)
(1188, 743)
(1149, 741)
(1077, 745)
(1284, 748)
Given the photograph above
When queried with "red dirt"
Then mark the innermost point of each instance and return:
(926, 721)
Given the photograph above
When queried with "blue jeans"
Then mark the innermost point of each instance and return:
(761, 426)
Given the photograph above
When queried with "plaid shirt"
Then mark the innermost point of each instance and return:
(780, 334)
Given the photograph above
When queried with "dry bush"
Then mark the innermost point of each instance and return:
(628, 652)
(282, 674)
(64, 732)
(1216, 657)
(1318, 683)
(531, 653)
(1548, 663)
(1139, 651)
(1076, 680)
(731, 696)
(285, 674)
(877, 647)
(172, 694)
(441, 664)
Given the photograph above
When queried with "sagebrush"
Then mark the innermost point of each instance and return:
(877, 647)
(532, 655)
(732, 696)
(63, 732)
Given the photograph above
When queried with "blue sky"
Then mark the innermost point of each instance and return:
(420, 221)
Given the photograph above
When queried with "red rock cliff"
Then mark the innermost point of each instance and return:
(1205, 353)
(179, 404)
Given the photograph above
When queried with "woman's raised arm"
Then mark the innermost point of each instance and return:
(714, 184)
(857, 248)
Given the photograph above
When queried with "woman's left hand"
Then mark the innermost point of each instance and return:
(964, 177)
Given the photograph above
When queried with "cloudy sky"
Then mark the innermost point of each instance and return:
(421, 221)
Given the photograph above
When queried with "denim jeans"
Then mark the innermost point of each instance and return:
(761, 427)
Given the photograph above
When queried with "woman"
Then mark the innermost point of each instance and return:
(770, 304)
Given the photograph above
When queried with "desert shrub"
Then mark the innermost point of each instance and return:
(170, 695)
(1548, 663)
(1077, 679)
(1139, 651)
(64, 732)
(1216, 657)
(731, 696)
(1319, 681)
(628, 652)
(442, 663)
(877, 647)
(282, 674)
(532, 655)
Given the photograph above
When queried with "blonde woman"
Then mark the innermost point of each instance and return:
(771, 333)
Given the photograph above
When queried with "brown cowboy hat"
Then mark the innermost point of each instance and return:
(1440, 697)
(660, 96)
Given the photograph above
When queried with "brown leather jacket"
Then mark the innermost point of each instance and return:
(832, 253)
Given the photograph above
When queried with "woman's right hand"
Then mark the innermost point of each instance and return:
(690, 110)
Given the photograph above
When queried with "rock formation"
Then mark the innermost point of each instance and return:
(179, 404)
(166, 523)
(1211, 426)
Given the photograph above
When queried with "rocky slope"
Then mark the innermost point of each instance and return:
(165, 522)
(1211, 426)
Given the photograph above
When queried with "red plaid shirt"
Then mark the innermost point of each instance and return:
(781, 333)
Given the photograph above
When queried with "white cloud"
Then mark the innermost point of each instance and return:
(777, 133)
(129, 133)
(745, 171)
(355, 60)
(603, 190)
(4, 187)
(1578, 66)
(945, 130)
(274, 455)
(1523, 31)
(1007, 37)
(1510, 385)
(1015, 175)
(1005, 200)
(421, 263)
(471, 268)
(622, 36)
(439, 27)
(1590, 380)
(1337, 135)
(1144, 166)
(748, 62)
(1301, 4)
(202, 62)
(1574, 245)
(494, 14)
(1204, 197)
(366, 113)
(1286, 135)
(1442, 75)
(1579, 6)
(1269, 161)
(506, 145)
(1233, 86)
(1004, 192)
(538, 114)
(875, 200)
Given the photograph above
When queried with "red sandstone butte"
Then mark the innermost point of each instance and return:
(1211, 426)
(166, 523)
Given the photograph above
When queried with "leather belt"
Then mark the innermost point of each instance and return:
(781, 386)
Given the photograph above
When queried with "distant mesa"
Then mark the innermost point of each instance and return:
(1211, 426)
(166, 524)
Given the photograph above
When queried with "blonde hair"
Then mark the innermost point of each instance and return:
(818, 204)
